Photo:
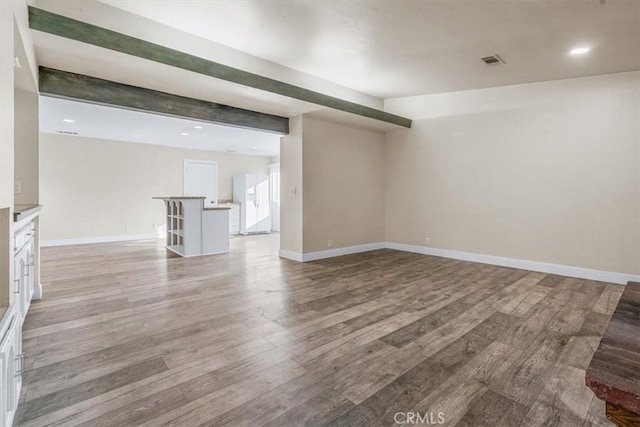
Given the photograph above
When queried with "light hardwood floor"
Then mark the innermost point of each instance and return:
(127, 336)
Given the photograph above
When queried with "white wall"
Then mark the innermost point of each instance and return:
(15, 40)
(343, 177)
(332, 187)
(291, 188)
(100, 188)
(6, 153)
(26, 146)
(546, 172)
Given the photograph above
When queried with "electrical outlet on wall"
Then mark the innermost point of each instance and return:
(427, 241)
(17, 187)
(329, 243)
(127, 229)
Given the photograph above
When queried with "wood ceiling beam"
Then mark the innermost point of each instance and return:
(62, 84)
(63, 26)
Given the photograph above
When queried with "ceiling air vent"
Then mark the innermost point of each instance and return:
(67, 132)
(493, 59)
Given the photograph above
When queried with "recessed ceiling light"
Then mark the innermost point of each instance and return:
(579, 51)
(184, 134)
(254, 148)
(197, 127)
(68, 120)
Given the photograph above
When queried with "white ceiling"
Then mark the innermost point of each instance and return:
(76, 57)
(97, 121)
(393, 48)
(346, 48)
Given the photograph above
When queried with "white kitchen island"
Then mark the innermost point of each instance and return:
(193, 229)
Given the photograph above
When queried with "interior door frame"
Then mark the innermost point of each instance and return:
(184, 175)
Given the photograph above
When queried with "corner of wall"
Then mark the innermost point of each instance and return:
(291, 188)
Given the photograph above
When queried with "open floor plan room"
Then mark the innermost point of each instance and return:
(320, 213)
(129, 337)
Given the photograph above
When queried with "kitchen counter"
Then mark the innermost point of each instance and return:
(22, 211)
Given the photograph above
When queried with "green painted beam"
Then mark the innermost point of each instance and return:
(63, 26)
(62, 84)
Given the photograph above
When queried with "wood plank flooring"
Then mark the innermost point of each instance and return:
(127, 336)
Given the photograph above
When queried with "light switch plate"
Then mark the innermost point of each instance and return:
(17, 187)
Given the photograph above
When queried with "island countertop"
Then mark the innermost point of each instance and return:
(179, 197)
(206, 208)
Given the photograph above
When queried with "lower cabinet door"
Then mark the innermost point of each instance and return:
(27, 282)
(31, 286)
(21, 274)
(9, 386)
(13, 365)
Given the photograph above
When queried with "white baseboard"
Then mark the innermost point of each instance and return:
(104, 239)
(37, 292)
(293, 256)
(330, 253)
(542, 267)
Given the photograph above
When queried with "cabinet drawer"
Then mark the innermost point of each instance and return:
(24, 236)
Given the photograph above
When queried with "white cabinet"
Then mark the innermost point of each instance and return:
(25, 262)
(19, 268)
(24, 269)
(30, 283)
(12, 364)
(234, 219)
(215, 231)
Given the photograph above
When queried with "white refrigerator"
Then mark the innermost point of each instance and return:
(251, 191)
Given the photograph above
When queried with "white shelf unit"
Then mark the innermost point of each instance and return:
(184, 218)
(194, 230)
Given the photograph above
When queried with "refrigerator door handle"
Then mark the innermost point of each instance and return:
(257, 198)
